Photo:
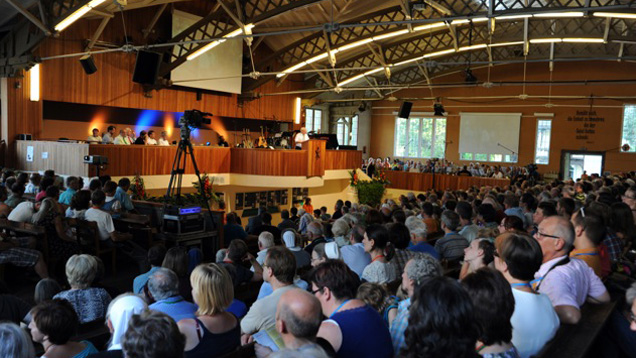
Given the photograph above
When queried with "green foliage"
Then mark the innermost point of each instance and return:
(370, 192)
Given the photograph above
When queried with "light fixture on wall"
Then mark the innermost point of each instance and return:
(34, 79)
(438, 108)
(297, 108)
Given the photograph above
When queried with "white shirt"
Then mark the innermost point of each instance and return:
(104, 222)
(262, 314)
(107, 138)
(380, 272)
(163, 142)
(300, 138)
(94, 139)
(534, 322)
(151, 141)
(23, 212)
(121, 140)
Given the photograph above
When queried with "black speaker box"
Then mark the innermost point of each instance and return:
(405, 110)
(146, 67)
(88, 64)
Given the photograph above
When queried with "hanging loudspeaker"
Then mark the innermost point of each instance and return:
(405, 110)
(88, 64)
(146, 67)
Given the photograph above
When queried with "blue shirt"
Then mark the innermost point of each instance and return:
(66, 196)
(124, 199)
(175, 307)
(237, 308)
(141, 280)
(355, 257)
(399, 324)
(357, 326)
(425, 248)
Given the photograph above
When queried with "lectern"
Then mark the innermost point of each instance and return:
(316, 150)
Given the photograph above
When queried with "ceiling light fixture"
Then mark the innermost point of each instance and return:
(77, 15)
(617, 15)
(560, 14)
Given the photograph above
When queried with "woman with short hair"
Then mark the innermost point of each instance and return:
(15, 342)
(90, 303)
(54, 323)
(480, 253)
(534, 320)
(214, 332)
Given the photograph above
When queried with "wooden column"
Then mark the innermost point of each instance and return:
(18, 115)
(316, 153)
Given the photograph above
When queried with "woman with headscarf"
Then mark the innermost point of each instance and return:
(119, 312)
(291, 241)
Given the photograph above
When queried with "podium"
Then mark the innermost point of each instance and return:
(316, 152)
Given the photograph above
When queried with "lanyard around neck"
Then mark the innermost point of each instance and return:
(339, 307)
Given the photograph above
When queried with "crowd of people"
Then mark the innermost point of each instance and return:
(127, 136)
(442, 166)
(490, 271)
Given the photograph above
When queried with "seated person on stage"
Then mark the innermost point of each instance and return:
(54, 324)
(34, 184)
(163, 286)
(300, 138)
(141, 140)
(568, 282)
(235, 256)
(109, 136)
(232, 230)
(156, 254)
(151, 138)
(353, 328)
(164, 138)
(95, 138)
(122, 138)
(90, 303)
(451, 246)
(121, 194)
(109, 237)
(279, 270)
(72, 186)
(111, 204)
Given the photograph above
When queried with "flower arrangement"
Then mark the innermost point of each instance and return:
(370, 192)
(205, 189)
(138, 188)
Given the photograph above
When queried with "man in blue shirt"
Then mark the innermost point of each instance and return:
(415, 271)
(156, 254)
(418, 230)
(72, 186)
(354, 255)
(163, 286)
(122, 194)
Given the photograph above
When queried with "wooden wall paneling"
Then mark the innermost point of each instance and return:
(343, 159)
(268, 162)
(316, 154)
(426, 181)
(64, 158)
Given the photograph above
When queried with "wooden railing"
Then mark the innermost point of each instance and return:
(67, 159)
(426, 181)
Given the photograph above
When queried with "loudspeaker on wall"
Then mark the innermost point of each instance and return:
(88, 64)
(146, 67)
(405, 110)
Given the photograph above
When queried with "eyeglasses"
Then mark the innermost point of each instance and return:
(632, 316)
(539, 233)
(313, 292)
(629, 197)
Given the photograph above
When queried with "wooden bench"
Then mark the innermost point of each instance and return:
(575, 341)
(88, 239)
(18, 229)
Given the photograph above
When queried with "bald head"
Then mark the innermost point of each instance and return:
(299, 314)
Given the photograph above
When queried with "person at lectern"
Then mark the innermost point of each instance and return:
(301, 137)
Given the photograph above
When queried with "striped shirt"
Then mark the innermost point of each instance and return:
(451, 246)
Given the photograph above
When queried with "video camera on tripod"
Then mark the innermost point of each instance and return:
(193, 119)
